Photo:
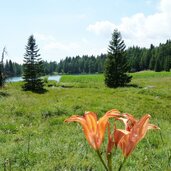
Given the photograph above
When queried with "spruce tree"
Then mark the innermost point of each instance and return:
(32, 67)
(152, 63)
(116, 65)
(11, 69)
(167, 63)
(157, 67)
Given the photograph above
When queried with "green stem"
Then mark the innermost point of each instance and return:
(101, 159)
(122, 164)
(161, 134)
(109, 160)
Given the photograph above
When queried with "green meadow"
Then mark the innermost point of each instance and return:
(34, 137)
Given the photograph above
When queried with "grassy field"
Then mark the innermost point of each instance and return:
(33, 135)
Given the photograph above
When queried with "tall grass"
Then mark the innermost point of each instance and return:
(34, 137)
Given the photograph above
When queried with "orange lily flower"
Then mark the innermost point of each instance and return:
(94, 130)
(113, 139)
(127, 140)
(130, 121)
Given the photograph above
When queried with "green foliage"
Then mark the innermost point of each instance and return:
(33, 67)
(29, 140)
(116, 65)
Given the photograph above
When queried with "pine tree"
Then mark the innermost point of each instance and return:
(33, 67)
(167, 63)
(152, 63)
(116, 65)
(11, 68)
(157, 67)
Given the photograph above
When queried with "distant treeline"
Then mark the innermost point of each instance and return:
(84, 64)
(154, 58)
(12, 69)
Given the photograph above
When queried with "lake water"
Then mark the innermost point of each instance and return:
(16, 79)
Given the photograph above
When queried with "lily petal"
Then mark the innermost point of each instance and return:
(128, 120)
(113, 113)
(86, 129)
(152, 126)
(118, 134)
(91, 120)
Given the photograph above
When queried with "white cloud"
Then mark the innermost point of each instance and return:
(103, 27)
(164, 6)
(139, 29)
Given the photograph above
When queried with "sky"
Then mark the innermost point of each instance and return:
(81, 27)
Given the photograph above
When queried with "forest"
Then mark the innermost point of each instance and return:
(156, 58)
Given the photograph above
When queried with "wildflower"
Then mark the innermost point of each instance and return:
(128, 139)
(94, 129)
(130, 121)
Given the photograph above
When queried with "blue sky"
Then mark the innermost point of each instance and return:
(76, 27)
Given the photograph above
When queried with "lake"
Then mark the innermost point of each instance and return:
(16, 79)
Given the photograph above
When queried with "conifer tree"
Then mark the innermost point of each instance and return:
(157, 67)
(11, 68)
(116, 65)
(32, 67)
(152, 63)
(167, 63)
